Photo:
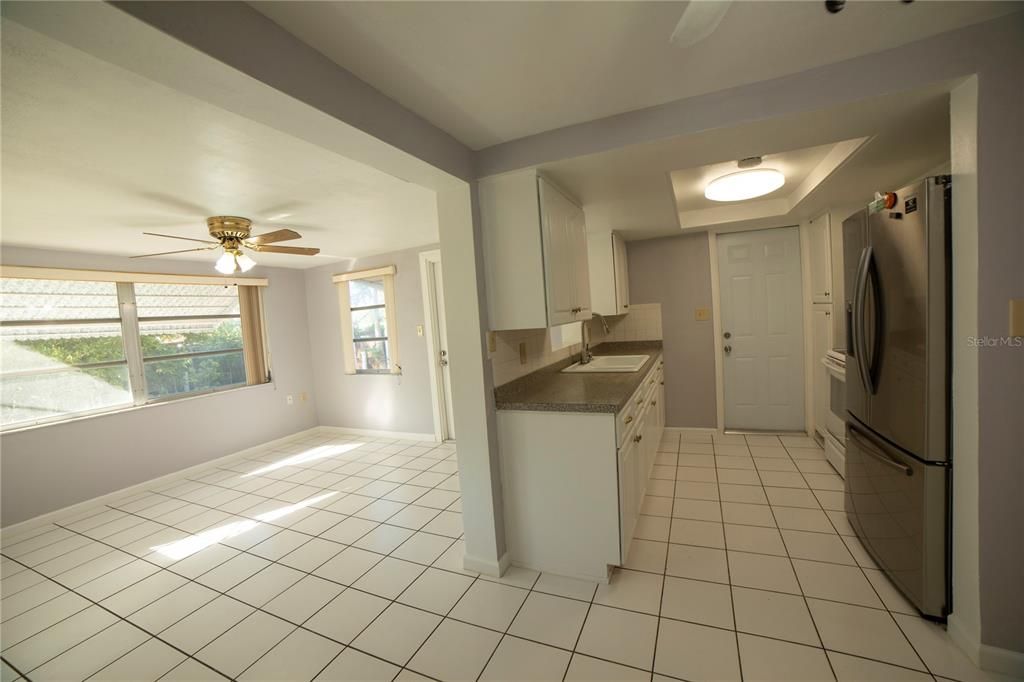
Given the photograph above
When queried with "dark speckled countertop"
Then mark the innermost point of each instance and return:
(549, 390)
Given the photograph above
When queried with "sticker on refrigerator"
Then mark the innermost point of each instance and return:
(910, 205)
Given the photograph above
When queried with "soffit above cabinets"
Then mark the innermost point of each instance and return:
(804, 169)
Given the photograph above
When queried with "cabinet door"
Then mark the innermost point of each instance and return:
(577, 229)
(628, 502)
(820, 255)
(821, 343)
(559, 232)
(621, 274)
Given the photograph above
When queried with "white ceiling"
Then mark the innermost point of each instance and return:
(93, 155)
(489, 72)
(630, 189)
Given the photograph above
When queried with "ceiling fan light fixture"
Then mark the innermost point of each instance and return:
(745, 184)
(227, 263)
(244, 262)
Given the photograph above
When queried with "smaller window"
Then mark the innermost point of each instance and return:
(368, 332)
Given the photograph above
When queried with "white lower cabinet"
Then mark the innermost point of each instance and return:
(573, 482)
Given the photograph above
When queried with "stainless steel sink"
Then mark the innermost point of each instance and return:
(611, 363)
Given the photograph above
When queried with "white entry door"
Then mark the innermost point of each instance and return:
(432, 280)
(762, 330)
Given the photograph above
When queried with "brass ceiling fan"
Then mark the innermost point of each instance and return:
(233, 234)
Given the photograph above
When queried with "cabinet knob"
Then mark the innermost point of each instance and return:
(628, 419)
(638, 438)
(639, 401)
(827, 293)
(653, 403)
(727, 335)
(663, 383)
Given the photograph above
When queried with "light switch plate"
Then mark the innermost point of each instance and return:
(702, 314)
(492, 342)
(1017, 317)
(419, 330)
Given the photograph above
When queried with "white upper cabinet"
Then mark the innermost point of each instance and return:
(819, 247)
(535, 253)
(609, 274)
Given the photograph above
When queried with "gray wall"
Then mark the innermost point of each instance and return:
(49, 467)
(676, 272)
(371, 401)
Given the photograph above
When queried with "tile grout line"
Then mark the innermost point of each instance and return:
(728, 568)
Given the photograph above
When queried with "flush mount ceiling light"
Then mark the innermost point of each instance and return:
(745, 184)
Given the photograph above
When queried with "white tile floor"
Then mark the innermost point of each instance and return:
(339, 558)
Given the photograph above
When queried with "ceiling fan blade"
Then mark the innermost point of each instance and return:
(174, 236)
(167, 253)
(297, 250)
(699, 20)
(275, 236)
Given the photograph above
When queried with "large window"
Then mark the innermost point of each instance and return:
(367, 300)
(70, 347)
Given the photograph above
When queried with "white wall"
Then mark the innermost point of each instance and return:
(46, 468)
(371, 401)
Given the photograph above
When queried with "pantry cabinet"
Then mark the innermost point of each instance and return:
(609, 273)
(535, 253)
(821, 343)
(819, 249)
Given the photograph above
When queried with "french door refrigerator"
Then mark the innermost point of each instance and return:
(898, 468)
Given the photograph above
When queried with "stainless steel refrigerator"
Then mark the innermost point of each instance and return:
(898, 467)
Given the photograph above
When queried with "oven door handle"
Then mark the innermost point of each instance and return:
(864, 441)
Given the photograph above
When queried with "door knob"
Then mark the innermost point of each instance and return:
(444, 358)
(727, 335)
(728, 349)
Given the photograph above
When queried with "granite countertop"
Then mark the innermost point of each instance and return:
(549, 390)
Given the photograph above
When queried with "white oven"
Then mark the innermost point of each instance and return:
(835, 421)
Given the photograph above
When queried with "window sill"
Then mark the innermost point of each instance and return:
(157, 402)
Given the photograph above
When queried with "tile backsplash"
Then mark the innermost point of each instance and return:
(643, 323)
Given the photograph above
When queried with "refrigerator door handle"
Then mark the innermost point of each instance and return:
(864, 441)
(873, 361)
(859, 301)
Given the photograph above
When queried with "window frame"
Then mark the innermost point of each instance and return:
(131, 336)
(348, 340)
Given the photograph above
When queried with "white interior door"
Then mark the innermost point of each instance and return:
(445, 375)
(762, 330)
(432, 282)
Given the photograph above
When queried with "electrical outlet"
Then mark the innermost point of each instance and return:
(522, 352)
(419, 330)
(290, 399)
(702, 314)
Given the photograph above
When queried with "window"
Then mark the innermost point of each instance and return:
(369, 336)
(70, 347)
(191, 337)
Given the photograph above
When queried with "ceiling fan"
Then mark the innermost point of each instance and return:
(233, 234)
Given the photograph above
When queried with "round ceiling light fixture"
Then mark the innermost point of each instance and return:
(745, 184)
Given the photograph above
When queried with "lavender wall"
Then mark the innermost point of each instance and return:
(46, 468)
(676, 272)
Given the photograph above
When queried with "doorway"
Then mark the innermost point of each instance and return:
(761, 333)
(431, 279)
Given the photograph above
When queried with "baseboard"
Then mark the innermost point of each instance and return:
(486, 566)
(963, 639)
(691, 429)
(375, 433)
(987, 657)
(48, 517)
